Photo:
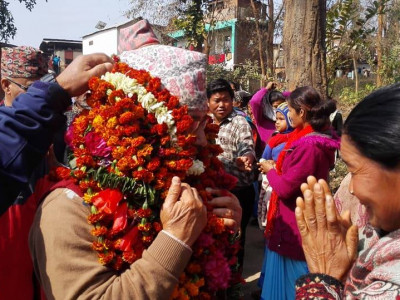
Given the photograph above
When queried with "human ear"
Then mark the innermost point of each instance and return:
(5, 85)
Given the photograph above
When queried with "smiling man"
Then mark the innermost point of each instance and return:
(20, 67)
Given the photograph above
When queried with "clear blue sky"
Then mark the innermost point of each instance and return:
(59, 19)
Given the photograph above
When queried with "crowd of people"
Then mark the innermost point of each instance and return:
(279, 147)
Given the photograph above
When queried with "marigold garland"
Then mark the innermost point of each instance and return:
(126, 150)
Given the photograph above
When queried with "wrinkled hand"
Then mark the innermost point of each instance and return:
(183, 213)
(265, 166)
(245, 162)
(74, 79)
(227, 207)
(327, 247)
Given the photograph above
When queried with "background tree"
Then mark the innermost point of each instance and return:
(304, 44)
(7, 27)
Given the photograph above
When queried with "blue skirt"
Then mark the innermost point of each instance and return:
(279, 275)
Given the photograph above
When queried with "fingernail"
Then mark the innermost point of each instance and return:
(176, 180)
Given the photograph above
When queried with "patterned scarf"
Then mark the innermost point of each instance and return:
(274, 201)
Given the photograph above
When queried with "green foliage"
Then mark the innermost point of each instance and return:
(346, 33)
(348, 97)
(191, 21)
(243, 74)
(140, 192)
(7, 27)
(391, 65)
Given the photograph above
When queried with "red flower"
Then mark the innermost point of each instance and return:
(130, 238)
(120, 218)
(106, 201)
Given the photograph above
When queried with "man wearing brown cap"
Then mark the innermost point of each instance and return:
(20, 67)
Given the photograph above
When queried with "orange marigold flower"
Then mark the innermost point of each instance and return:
(126, 118)
(126, 104)
(146, 227)
(178, 113)
(144, 212)
(154, 164)
(138, 141)
(131, 213)
(118, 152)
(79, 174)
(98, 122)
(115, 96)
(94, 218)
(193, 268)
(129, 256)
(112, 123)
(163, 96)
(184, 124)
(147, 239)
(97, 246)
(93, 83)
(165, 140)
(63, 172)
(106, 258)
(186, 140)
(131, 129)
(159, 129)
(193, 290)
(153, 85)
(157, 226)
(172, 102)
(151, 118)
(144, 175)
(145, 151)
(99, 231)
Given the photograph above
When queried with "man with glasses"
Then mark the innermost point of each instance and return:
(28, 124)
(21, 66)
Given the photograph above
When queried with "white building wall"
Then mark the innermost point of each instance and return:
(103, 41)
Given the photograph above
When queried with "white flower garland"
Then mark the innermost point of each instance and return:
(145, 98)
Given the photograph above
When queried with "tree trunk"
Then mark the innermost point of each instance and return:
(379, 38)
(355, 72)
(259, 41)
(270, 39)
(304, 44)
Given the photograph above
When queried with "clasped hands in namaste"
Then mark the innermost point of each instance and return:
(329, 240)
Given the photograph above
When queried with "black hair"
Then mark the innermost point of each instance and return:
(317, 110)
(374, 126)
(273, 96)
(219, 85)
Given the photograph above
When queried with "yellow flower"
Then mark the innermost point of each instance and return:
(112, 123)
(98, 121)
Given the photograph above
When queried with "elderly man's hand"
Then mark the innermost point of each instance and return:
(226, 206)
(74, 79)
(329, 247)
(183, 213)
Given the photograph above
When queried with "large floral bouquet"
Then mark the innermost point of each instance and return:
(126, 149)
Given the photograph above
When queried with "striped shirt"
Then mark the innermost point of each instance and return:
(236, 139)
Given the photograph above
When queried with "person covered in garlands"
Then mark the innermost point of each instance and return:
(123, 197)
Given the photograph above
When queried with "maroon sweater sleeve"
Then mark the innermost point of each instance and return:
(256, 104)
(298, 165)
